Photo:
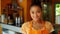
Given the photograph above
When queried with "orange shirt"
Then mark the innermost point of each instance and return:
(27, 28)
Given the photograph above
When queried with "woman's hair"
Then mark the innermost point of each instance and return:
(36, 3)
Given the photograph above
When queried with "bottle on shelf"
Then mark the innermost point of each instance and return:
(16, 21)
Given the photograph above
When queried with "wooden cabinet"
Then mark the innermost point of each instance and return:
(25, 4)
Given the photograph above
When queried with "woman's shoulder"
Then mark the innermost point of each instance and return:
(26, 24)
(48, 23)
(49, 26)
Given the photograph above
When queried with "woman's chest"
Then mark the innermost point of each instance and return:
(35, 27)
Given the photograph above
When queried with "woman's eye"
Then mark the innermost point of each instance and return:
(38, 11)
(32, 12)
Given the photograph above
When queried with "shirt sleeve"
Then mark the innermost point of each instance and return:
(50, 27)
(24, 29)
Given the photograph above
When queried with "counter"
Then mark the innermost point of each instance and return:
(10, 27)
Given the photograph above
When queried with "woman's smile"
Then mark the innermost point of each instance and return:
(35, 13)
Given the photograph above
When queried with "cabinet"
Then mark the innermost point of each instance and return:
(12, 9)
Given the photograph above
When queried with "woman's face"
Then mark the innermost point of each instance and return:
(36, 13)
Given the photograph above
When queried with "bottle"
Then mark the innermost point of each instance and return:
(2, 18)
(8, 19)
(16, 21)
(19, 21)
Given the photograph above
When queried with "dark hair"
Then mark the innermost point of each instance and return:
(36, 3)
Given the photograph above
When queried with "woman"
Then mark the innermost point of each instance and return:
(37, 25)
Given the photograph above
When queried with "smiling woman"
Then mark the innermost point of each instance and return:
(37, 25)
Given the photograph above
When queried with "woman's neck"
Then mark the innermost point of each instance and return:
(38, 21)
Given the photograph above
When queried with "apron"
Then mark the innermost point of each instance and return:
(45, 31)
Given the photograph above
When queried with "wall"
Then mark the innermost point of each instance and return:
(0, 7)
(4, 3)
(28, 10)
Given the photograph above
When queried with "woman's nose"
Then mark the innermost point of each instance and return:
(35, 14)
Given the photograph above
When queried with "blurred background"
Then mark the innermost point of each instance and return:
(13, 13)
